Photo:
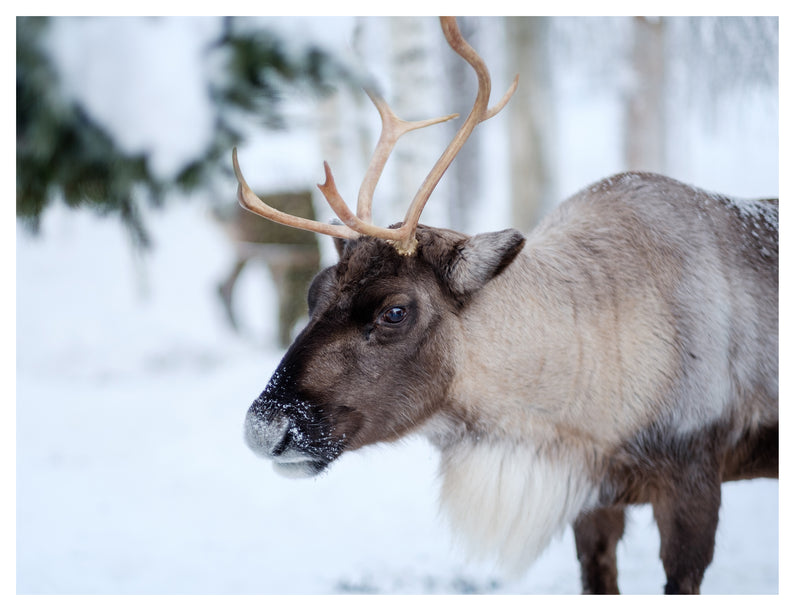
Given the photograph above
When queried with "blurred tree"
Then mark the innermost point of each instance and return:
(416, 95)
(465, 180)
(62, 152)
(530, 134)
(645, 139)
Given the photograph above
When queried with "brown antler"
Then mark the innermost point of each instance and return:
(392, 129)
(253, 203)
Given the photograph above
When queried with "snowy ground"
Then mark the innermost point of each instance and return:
(132, 475)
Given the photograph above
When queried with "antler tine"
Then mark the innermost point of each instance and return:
(392, 128)
(478, 114)
(356, 225)
(253, 203)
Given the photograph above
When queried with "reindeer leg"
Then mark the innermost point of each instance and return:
(687, 513)
(596, 536)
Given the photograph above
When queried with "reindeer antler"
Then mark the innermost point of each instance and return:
(392, 129)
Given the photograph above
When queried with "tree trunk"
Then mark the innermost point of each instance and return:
(415, 95)
(644, 136)
(465, 173)
(531, 119)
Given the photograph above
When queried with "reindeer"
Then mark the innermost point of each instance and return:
(625, 352)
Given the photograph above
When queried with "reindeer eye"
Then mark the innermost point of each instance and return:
(394, 315)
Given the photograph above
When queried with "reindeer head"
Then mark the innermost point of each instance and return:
(375, 360)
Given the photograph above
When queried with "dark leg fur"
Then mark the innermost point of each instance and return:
(685, 492)
(756, 456)
(687, 512)
(596, 536)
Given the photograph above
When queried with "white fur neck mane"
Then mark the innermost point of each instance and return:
(508, 500)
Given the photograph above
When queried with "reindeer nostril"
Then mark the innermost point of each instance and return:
(284, 443)
(263, 434)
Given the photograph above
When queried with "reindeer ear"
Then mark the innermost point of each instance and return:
(468, 263)
(340, 244)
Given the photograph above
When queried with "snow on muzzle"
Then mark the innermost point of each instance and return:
(290, 432)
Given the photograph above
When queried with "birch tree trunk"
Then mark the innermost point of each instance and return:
(531, 118)
(644, 124)
(464, 175)
(415, 94)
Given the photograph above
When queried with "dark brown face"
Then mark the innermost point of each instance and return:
(373, 363)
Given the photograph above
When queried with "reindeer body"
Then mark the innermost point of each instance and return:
(627, 353)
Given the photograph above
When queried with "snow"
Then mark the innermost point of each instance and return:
(132, 472)
(174, 104)
(133, 475)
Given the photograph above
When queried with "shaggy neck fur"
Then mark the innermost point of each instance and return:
(508, 500)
